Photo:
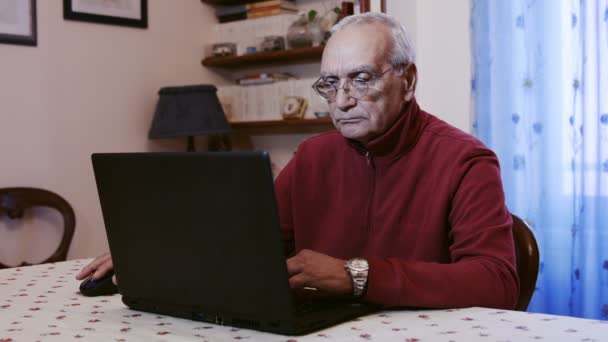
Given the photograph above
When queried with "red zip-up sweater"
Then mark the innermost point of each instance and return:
(423, 203)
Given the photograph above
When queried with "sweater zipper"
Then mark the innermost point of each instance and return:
(370, 205)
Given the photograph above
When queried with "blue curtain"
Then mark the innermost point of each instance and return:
(540, 101)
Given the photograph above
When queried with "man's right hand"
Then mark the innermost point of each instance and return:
(98, 268)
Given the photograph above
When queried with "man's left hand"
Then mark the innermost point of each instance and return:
(320, 273)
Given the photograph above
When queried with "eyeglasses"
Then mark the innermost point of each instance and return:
(354, 87)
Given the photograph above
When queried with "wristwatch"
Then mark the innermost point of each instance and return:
(358, 268)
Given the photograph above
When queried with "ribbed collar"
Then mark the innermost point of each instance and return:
(400, 138)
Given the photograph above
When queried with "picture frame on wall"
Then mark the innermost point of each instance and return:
(18, 22)
(133, 13)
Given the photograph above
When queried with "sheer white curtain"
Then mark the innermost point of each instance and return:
(540, 99)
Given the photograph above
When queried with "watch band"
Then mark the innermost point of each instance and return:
(359, 286)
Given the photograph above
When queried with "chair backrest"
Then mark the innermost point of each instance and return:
(526, 252)
(14, 201)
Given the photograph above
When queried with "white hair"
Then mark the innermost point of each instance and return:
(402, 52)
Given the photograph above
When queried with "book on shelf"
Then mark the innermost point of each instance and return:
(226, 14)
(271, 3)
(227, 10)
(268, 11)
(232, 17)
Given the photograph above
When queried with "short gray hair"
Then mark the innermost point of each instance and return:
(402, 51)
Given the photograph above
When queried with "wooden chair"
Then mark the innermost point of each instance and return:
(526, 252)
(14, 201)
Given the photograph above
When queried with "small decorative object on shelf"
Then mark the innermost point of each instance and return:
(298, 35)
(224, 49)
(263, 78)
(273, 43)
(321, 115)
(310, 29)
(347, 9)
(364, 6)
(294, 107)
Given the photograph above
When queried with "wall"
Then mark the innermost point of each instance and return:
(88, 88)
(440, 31)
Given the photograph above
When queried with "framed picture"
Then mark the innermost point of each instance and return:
(132, 13)
(18, 22)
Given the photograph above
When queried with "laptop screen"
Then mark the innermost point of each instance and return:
(195, 229)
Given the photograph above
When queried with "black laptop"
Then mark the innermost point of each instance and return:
(196, 235)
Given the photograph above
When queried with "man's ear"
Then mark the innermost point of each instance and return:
(410, 80)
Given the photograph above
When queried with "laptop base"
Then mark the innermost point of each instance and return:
(301, 324)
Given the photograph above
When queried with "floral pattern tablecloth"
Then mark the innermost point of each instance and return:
(42, 303)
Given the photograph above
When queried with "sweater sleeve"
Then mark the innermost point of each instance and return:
(482, 268)
(283, 189)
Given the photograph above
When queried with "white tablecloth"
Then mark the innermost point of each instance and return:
(42, 303)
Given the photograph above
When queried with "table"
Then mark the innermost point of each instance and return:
(42, 303)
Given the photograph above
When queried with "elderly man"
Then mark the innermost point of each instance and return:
(396, 207)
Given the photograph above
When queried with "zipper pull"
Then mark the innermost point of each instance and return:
(369, 158)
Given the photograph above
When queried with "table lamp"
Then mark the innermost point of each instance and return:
(188, 111)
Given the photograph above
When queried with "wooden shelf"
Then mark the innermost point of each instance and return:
(291, 56)
(228, 2)
(272, 127)
(281, 123)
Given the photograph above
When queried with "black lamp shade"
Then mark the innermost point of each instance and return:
(188, 111)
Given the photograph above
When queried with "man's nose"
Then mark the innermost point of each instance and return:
(343, 100)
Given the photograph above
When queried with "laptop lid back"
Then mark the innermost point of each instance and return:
(195, 230)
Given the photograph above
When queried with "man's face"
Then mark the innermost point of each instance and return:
(359, 53)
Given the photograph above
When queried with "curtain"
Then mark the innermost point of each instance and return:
(540, 101)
